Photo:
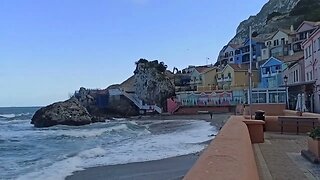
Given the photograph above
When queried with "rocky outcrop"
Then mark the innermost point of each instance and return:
(151, 83)
(277, 14)
(69, 112)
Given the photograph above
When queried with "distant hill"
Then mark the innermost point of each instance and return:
(278, 14)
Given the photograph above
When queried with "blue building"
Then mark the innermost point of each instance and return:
(270, 73)
(242, 54)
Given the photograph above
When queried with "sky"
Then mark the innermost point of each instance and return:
(50, 48)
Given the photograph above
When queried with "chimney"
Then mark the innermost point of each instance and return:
(291, 28)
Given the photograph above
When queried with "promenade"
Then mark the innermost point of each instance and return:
(279, 158)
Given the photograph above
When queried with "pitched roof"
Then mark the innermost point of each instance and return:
(271, 59)
(295, 57)
(204, 69)
(287, 31)
(241, 67)
(314, 24)
(317, 23)
(201, 69)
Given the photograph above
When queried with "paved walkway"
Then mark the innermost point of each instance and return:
(279, 158)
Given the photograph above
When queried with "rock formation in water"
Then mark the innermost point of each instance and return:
(151, 83)
(69, 112)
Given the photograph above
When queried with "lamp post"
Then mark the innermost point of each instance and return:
(285, 79)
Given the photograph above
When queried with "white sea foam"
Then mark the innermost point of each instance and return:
(7, 115)
(61, 169)
(86, 133)
(144, 148)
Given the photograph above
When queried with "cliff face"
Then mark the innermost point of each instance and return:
(277, 14)
(151, 83)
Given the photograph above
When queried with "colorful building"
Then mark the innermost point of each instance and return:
(302, 33)
(242, 54)
(203, 78)
(279, 44)
(270, 73)
(311, 48)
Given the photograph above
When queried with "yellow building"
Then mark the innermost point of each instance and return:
(203, 79)
(235, 76)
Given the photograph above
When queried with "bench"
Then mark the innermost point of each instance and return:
(298, 121)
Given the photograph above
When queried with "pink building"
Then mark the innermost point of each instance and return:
(311, 48)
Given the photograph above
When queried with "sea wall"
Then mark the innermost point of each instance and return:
(270, 109)
(195, 110)
(229, 156)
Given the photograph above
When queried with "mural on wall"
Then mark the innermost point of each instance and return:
(205, 99)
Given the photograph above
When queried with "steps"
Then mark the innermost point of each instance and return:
(138, 102)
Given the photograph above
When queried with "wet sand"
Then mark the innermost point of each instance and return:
(165, 169)
(171, 168)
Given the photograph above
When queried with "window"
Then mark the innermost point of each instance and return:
(264, 71)
(269, 43)
(319, 44)
(307, 76)
(311, 75)
(264, 52)
(282, 41)
(309, 51)
(306, 53)
(295, 76)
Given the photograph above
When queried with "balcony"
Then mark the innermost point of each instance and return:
(196, 81)
(227, 79)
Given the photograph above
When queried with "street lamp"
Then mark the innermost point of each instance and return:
(285, 79)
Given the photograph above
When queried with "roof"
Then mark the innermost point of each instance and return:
(241, 67)
(314, 24)
(295, 57)
(311, 36)
(235, 46)
(201, 69)
(204, 69)
(269, 61)
(287, 31)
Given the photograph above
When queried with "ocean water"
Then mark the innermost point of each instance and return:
(54, 153)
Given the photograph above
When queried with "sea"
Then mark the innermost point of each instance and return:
(54, 153)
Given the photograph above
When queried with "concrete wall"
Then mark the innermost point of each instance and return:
(272, 124)
(195, 110)
(229, 156)
(270, 109)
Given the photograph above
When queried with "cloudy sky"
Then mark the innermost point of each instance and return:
(50, 48)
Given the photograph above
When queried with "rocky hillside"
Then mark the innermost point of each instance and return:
(279, 14)
(151, 82)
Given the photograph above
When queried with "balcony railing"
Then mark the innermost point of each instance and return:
(225, 79)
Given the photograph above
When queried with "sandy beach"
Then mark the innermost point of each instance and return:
(169, 168)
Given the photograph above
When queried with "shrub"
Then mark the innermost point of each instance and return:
(315, 133)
